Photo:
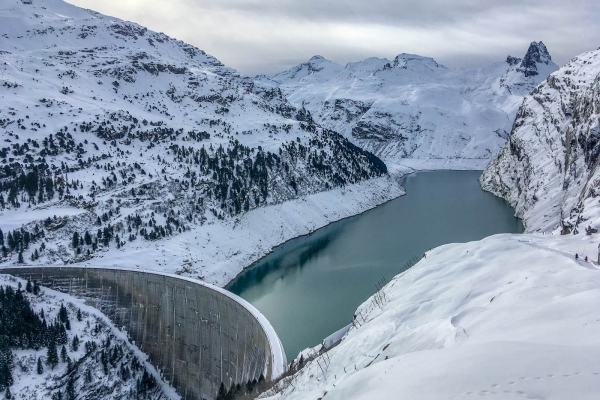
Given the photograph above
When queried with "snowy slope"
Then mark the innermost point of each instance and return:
(125, 363)
(413, 110)
(548, 168)
(511, 316)
(128, 139)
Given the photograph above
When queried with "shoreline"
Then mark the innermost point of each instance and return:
(399, 177)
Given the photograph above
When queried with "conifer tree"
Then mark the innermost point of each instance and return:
(87, 238)
(52, 355)
(75, 241)
(63, 315)
(63, 354)
(75, 343)
(6, 365)
(222, 392)
(40, 368)
(70, 392)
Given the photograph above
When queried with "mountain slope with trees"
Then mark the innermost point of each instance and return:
(116, 139)
(54, 347)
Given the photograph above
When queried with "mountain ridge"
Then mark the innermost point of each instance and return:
(548, 168)
(413, 109)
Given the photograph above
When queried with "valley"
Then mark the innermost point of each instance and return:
(327, 195)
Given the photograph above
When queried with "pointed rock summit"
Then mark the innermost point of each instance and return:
(536, 54)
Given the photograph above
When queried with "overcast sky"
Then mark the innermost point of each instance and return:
(268, 36)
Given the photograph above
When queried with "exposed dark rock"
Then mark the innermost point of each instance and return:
(536, 54)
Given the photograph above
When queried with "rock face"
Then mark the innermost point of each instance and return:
(412, 108)
(536, 55)
(141, 137)
(548, 169)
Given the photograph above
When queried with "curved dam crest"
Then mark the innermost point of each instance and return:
(196, 334)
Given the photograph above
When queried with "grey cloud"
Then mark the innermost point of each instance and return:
(408, 12)
(267, 36)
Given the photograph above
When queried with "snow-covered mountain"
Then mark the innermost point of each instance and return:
(548, 169)
(117, 139)
(413, 110)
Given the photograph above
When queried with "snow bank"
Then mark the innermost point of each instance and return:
(511, 315)
(217, 252)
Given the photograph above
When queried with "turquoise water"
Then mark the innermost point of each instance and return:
(310, 287)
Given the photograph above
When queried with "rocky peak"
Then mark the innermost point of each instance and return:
(512, 61)
(536, 54)
(405, 60)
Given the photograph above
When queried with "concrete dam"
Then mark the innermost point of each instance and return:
(198, 335)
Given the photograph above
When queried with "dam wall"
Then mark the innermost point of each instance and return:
(197, 335)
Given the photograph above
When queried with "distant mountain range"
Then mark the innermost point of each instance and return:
(413, 110)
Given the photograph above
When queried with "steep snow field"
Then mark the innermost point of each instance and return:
(510, 316)
(96, 328)
(414, 111)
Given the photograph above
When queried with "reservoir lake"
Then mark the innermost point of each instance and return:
(310, 286)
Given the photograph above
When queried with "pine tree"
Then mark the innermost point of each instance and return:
(63, 354)
(28, 286)
(52, 355)
(104, 361)
(63, 315)
(79, 315)
(231, 393)
(21, 261)
(70, 392)
(75, 241)
(87, 238)
(40, 368)
(75, 343)
(6, 365)
(8, 394)
(222, 392)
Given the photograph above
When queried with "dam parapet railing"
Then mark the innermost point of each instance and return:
(198, 335)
